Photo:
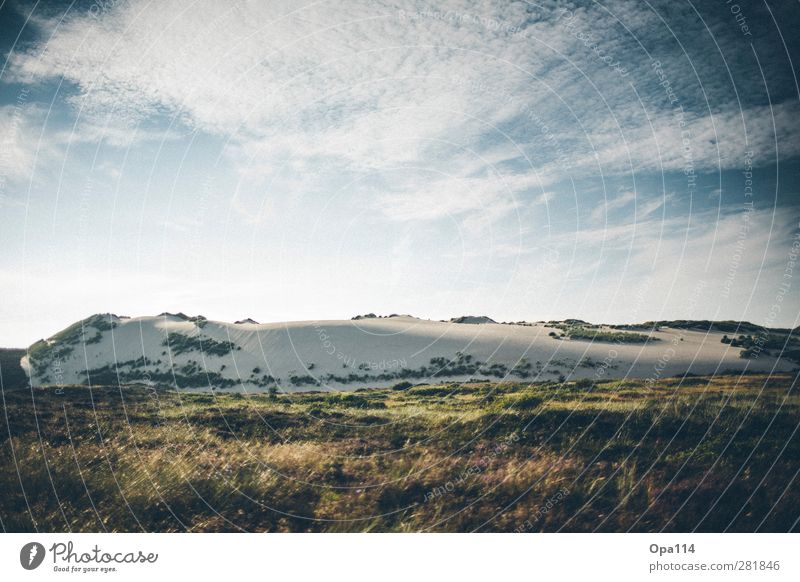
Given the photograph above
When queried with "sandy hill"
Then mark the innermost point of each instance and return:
(186, 352)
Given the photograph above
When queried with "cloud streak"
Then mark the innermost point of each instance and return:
(362, 86)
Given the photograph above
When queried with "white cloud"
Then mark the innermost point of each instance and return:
(544, 197)
(362, 86)
(447, 196)
(19, 145)
(738, 270)
(34, 142)
(620, 201)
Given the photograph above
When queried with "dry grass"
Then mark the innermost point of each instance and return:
(710, 454)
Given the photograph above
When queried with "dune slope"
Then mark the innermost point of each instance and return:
(174, 350)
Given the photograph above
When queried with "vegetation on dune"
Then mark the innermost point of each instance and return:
(62, 345)
(609, 336)
(47, 357)
(190, 375)
(180, 343)
(679, 454)
(87, 330)
(727, 326)
(597, 334)
(786, 347)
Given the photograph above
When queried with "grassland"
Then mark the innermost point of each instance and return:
(705, 454)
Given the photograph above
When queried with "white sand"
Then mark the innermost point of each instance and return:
(376, 346)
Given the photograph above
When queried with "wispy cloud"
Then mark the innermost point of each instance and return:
(620, 201)
(363, 86)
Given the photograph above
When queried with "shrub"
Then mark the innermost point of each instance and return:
(350, 400)
(522, 402)
(302, 380)
(593, 334)
(180, 344)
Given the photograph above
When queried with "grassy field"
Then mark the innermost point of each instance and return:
(705, 454)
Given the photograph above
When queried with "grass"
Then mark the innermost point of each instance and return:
(179, 343)
(705, 454)
(578, 332)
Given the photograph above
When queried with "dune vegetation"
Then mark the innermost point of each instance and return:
(680, 454)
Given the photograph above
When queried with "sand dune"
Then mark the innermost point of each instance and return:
(197, 354)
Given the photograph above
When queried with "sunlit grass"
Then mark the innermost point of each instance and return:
(678, 454)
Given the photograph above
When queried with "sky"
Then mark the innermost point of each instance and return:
(611, 161)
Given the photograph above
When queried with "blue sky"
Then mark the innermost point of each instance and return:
(615, 161)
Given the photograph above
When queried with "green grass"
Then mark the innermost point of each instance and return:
(600, 335)
(179, 343)
(709, 454)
